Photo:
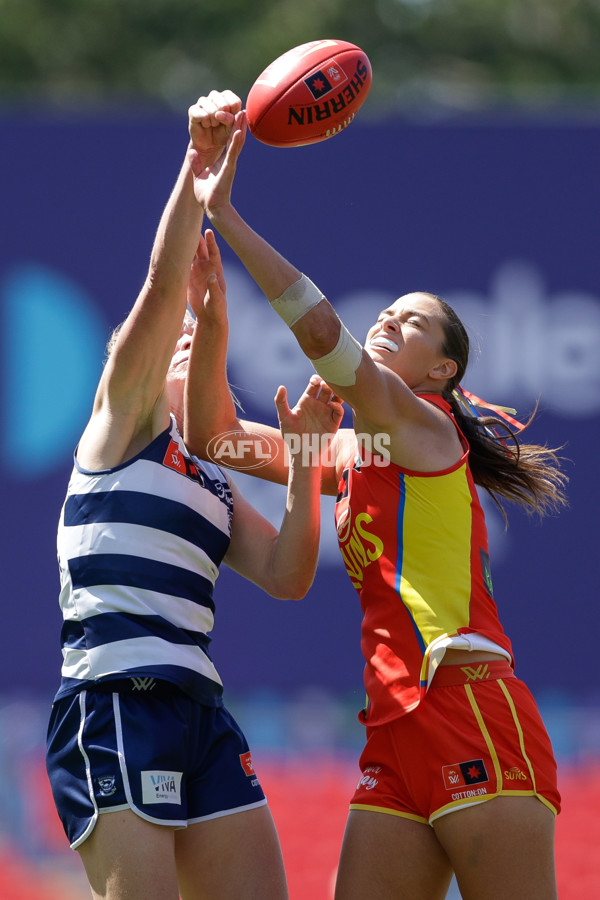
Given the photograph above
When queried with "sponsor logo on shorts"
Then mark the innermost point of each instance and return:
(160, 786)
(464, 795)
(368, 780)
(246, 763)
(464, 774)
(105, 786)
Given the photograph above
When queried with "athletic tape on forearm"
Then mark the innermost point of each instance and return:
(340, 365)
(296, 300)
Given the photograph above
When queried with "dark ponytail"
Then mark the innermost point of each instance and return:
(507, 468)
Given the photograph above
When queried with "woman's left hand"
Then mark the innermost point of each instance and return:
(319, 411)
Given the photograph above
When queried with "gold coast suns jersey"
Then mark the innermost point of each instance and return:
(416, 550)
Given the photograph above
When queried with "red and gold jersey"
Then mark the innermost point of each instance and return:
(415, 547)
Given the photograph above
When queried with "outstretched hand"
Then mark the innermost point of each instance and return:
(319, 411)
(206, 288)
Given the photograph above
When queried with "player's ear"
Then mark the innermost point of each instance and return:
(444, 370)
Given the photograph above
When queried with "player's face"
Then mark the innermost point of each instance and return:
(179, 364)
(408, 337)
(183, 345)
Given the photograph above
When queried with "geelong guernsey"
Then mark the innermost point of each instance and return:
(415, 547)
(139, 547)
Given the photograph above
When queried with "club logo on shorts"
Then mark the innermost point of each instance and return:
(246, 763)
(106, 786)
(160, 786)
(464, 774)
(514, 774)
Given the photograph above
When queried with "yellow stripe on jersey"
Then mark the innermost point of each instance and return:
(435, 524)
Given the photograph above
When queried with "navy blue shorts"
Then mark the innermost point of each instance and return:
(161, 754)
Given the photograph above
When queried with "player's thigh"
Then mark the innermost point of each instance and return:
(229, 857)
(128, 858)
(385, 856)
(501, 848)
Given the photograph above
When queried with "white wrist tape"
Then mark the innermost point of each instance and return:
(296, 300)
(340, 364)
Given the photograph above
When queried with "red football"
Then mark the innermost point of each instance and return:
(309, 94)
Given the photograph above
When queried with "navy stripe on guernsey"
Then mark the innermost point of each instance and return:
(99, 630)
(139, 548)
(152, 512)
(121, 569)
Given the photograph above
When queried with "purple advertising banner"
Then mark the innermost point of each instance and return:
(498, 217)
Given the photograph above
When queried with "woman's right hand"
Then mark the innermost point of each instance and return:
(210, 122)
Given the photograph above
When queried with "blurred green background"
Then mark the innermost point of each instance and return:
(453, 54)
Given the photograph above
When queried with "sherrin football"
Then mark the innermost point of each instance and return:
(309, 94)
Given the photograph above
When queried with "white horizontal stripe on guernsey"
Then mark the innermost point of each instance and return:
(82, 603)
(136, 653)
(121, 538)
(159, 481)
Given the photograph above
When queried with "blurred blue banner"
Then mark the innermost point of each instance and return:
(499, 217)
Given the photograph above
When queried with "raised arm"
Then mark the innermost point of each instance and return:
(284, 563)
(131, 405)
(378, 397)
(212, 413)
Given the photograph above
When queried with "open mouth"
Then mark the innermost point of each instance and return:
(179, 360)
(383, 343)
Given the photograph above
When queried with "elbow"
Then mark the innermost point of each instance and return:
(293, 589)
(318, 334)
(196, 440)
(300, 593)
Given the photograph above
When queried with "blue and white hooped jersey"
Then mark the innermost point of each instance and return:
(139, 548)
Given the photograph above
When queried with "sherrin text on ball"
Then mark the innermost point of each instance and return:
(309, 94)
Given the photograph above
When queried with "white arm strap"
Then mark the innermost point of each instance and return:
(296, 300)
(340, 364)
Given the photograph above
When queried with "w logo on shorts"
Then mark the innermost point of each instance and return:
(481, 673)
(246, 762)
(142, 684)
(460, 774)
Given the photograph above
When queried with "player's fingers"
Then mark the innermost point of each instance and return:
(337, 411)
(201, 251)
(225, 100)
(214, 256)
(215, 299)
(201, 111)
(210, 112)
(213, 252)
(234, 147)
(281, 394)
(313, 387)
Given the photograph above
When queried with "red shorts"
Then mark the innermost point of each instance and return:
(468, 740)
